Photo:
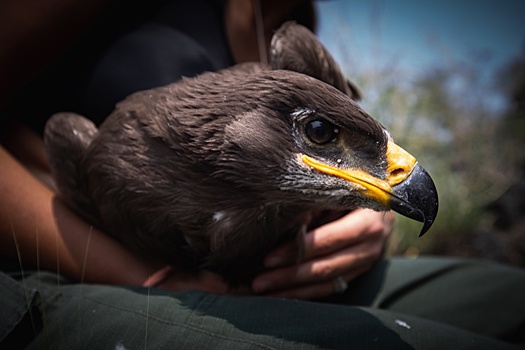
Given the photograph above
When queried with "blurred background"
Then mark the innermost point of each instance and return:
(447, 78)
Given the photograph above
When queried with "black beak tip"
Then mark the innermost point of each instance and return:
(416, 197)
(427, 223)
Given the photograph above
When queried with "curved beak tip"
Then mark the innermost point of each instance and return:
(427, 223)
(416, 198)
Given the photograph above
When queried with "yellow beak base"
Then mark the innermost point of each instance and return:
(400, 165)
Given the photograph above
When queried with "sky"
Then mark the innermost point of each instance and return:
(415, 35)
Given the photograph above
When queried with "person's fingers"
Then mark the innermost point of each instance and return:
(346, 247)
(320, 270)
(318, 290)
(359, 225)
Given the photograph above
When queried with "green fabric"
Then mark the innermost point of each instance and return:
(395, 306)
(486, 298)
(19, 313)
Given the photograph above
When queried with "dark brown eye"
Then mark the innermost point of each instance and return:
(320, 131)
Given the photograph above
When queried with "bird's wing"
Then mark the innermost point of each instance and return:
(66, 138)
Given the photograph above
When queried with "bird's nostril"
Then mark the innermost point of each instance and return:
(400, 164)
(398, 172)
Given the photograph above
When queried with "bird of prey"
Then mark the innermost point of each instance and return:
(212, 172)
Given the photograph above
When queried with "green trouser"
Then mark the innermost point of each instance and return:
(425, 303)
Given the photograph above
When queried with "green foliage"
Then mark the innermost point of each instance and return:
(453, 121)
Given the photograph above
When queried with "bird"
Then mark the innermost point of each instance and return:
(213, 171)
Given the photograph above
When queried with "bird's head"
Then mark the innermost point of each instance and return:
(301, 142)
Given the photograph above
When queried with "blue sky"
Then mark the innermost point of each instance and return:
(414, 35)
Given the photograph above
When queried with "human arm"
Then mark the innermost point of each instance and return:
(346, 247)
(35, 225)
(39, 231)
(250, 24)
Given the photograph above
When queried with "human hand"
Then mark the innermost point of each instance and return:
(346, 247)
(174, 279)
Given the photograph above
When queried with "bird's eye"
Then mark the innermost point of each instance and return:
(320, 131)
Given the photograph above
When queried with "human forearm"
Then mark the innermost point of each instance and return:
(243, 16)
(39, 229)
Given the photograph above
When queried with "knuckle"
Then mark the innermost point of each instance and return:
(376, 251)
(323, 270)
(378, 229)
(322, 245)
(327, 243)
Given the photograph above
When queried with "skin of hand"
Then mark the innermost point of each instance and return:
(346, 247)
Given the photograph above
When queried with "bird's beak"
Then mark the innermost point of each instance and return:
(407, 188)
